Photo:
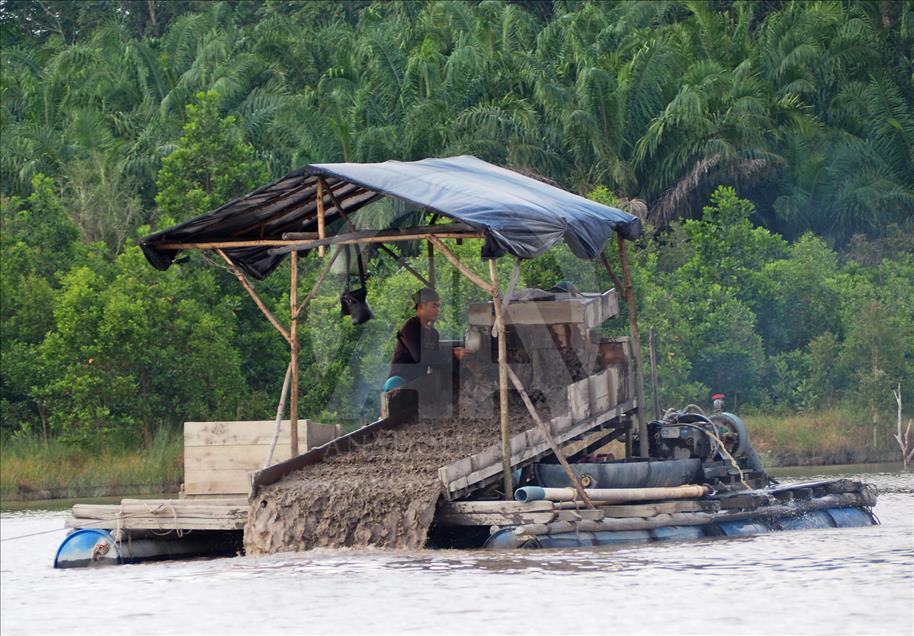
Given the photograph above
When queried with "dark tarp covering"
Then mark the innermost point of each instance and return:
(517, 215)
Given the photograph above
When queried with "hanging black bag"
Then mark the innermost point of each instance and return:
(354, 302)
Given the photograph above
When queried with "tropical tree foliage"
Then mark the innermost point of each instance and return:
(791, 288)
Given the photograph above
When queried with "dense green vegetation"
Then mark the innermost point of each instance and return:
(768, 145)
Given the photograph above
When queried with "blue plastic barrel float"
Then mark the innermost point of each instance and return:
(844, 517)
(87, 547)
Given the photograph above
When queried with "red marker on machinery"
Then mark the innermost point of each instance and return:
(718, 402)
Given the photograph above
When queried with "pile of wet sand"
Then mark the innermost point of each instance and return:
(382, 494)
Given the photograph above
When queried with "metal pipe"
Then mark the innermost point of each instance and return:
(614, 495)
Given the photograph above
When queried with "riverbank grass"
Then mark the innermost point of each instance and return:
(32, 469)
(819, 438)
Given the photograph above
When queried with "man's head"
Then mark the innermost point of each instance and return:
(427, 304)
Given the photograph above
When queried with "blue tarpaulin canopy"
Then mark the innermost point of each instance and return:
(516, 214)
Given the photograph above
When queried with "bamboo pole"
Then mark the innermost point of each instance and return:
(279, 411)
(430, 250)
(656, 389)
(549, 439)
(502, 383)
(466, 271)
(402, 263)
(612, 274)
(247, 286)
(317, 284)
(452, 230)
(321, 229)
(377, 236)
(293, 303)
(643, 450)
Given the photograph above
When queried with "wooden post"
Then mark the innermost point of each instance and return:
(317, 284)
(250, 290)
(430, 249)
(654, 385)
(643, 449)
(293, 333)
(466, 271)
(279, 411)
(502, 383)
(548, 436)
(321, 229)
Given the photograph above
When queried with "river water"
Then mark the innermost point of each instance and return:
(836, 581)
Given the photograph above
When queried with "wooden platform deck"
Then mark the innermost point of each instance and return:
(162, 515)
(547, 517)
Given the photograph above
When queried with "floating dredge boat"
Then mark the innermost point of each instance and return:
(537, 438)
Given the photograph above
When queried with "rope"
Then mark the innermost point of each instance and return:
(87, 524)
(119, 516)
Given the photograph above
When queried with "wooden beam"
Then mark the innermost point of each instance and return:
(502, 382)
(430, 251)
(299, 236)
(643, 449)
(402, 263)
(463, 269)
(293, 344)
(225, 245)
(548, 436)
(317, 284)
(609, 270)
(247, 286)
(452, 230)
(655, 388)
(277, 425)
(321, 229)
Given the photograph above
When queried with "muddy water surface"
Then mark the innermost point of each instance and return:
(839, 581)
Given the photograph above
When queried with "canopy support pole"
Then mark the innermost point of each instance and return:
(549, 439)
(492, 289)
(293, 342)
(279, 411)
(402, 263)
(502, 382)
(430, 250)
(317, 284)
(250, 290)
(466, 271)
(643, 450)
(321, 228)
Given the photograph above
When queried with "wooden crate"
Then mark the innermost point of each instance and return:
(588, 309)
(219, 456)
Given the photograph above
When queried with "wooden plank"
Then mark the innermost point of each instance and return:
(494, 518)
(599, 391)
(483, 476)
(247, 457)
(247, 433)
(226, 500)
(495, 513)
(157, 524)
(652, 510)
(507, 507)
(579, 515)
(590, 310)
(236, 482)
(194, 497)
(579, 400)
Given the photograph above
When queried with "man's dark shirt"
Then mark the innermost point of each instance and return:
(416, 350)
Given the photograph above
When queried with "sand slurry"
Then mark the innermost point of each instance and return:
(382, 494)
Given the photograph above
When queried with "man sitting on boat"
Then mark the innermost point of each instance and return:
(418, 358)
